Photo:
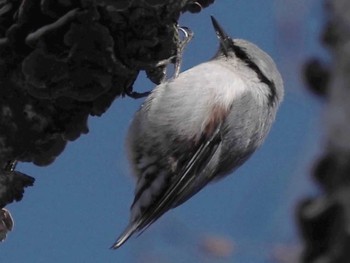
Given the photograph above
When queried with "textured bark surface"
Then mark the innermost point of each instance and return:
(64, 60)
(325, 220)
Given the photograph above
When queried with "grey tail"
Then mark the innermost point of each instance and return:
(128, 232)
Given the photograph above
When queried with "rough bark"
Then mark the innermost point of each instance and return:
(64, 60)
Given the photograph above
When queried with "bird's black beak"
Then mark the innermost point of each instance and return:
(225, 40)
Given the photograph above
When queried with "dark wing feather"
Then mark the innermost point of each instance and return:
(178, 191)
(181, 189)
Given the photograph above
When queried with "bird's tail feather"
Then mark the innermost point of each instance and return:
(177, 192)
(128, 232)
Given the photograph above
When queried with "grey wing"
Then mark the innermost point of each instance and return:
(192, 179)
(194, 176)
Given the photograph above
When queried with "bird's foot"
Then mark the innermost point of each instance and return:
(187, 37)
(134, 94)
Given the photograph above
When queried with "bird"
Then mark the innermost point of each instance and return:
(199, 127)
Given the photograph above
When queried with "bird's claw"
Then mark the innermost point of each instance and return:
(162, 64)
(134, 94)
(188, 35)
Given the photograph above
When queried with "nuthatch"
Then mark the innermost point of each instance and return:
(199, 127)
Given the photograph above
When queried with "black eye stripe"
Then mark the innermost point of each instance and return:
(242, 55)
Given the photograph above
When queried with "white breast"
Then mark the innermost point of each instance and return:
(187, 101)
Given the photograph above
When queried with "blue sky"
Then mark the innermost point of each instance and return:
(80, 204)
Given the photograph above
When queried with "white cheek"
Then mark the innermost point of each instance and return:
(230, 91)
